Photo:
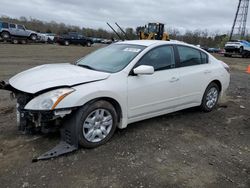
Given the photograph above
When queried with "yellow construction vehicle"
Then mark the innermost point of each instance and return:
(153, 31)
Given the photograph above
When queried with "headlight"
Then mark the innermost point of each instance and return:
(49, 100)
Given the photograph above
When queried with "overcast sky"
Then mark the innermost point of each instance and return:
(214, 15)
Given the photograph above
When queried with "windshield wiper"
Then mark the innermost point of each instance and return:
(87, 67)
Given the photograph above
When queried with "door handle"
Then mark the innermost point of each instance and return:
(207, 71)
(174, 79)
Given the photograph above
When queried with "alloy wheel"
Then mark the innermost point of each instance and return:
(212, 97)
(97, 125)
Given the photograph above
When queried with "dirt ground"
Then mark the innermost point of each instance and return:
(184, 149)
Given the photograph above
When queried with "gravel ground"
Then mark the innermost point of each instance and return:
(183, 149)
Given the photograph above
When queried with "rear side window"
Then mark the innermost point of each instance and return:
(12, 26)
(5, 25)
(191, 56)
(204, 58)
(160, 58)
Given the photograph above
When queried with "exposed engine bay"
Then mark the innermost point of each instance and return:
(33, 122)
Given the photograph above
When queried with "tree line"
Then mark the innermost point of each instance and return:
(197, 37)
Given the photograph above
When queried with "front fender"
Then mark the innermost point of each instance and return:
(87, 92)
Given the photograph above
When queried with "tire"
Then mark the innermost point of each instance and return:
(241, 50)
(23, 41)
(91, 123)
(210, 97)
(66, 43)
(227, 55)
(5, 35)
(88, 44)
(15, 41)
(33, 37)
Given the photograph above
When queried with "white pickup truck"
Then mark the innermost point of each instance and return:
(237, 47)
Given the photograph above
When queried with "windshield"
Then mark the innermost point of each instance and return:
(152, 28)
(112, 58)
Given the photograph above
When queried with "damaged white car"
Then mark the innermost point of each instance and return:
(120, 84)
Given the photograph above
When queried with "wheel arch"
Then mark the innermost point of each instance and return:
(5, 31)
(33, 34)
(113, 102)
(218, 83)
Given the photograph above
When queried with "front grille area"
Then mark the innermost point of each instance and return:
(22, 120)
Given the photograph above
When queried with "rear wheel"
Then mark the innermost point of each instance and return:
(23, 41)
(210, 97)
(66, 43)
(97, 123)
(5, 35)
(227, 55)
(15, 41)
(241, 50)
(88, 44)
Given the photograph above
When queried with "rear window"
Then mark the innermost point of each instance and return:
(5, 25)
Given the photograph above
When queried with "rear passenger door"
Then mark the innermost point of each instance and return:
(13, 29)
(194, 73)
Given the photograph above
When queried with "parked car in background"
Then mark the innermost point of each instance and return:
(46, 37)
(73, 38)
(122, 83)
(213, 50)
(97, 40)
(8, 30)
(106, 41)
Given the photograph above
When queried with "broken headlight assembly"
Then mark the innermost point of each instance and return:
(48, 100)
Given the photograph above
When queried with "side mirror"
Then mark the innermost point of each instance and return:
(143, 70)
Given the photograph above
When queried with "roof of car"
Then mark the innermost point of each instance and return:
(149, 42)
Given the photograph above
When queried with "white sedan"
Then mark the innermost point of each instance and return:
(117, 85)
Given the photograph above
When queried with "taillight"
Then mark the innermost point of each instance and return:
(225, 66)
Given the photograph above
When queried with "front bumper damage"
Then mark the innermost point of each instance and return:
(232, 49)
(30, 122)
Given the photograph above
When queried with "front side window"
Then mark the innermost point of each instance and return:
(112, 58)
(160, 58)
(20, 27)
(12, 26)
(189, 56)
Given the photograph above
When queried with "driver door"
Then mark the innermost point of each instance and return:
(21, 30)
(152, 94)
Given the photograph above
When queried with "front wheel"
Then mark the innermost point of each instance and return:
(66, 43)
(210, 97)
(88, 44)
(97, 123)
(33, 37)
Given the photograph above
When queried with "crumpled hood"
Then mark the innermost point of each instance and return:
(54, 75)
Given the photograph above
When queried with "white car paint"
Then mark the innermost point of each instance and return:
(140, 97)
(54, 75)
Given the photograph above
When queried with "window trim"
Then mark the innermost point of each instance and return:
(161, 69)
(21, 26)
(178, 56)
